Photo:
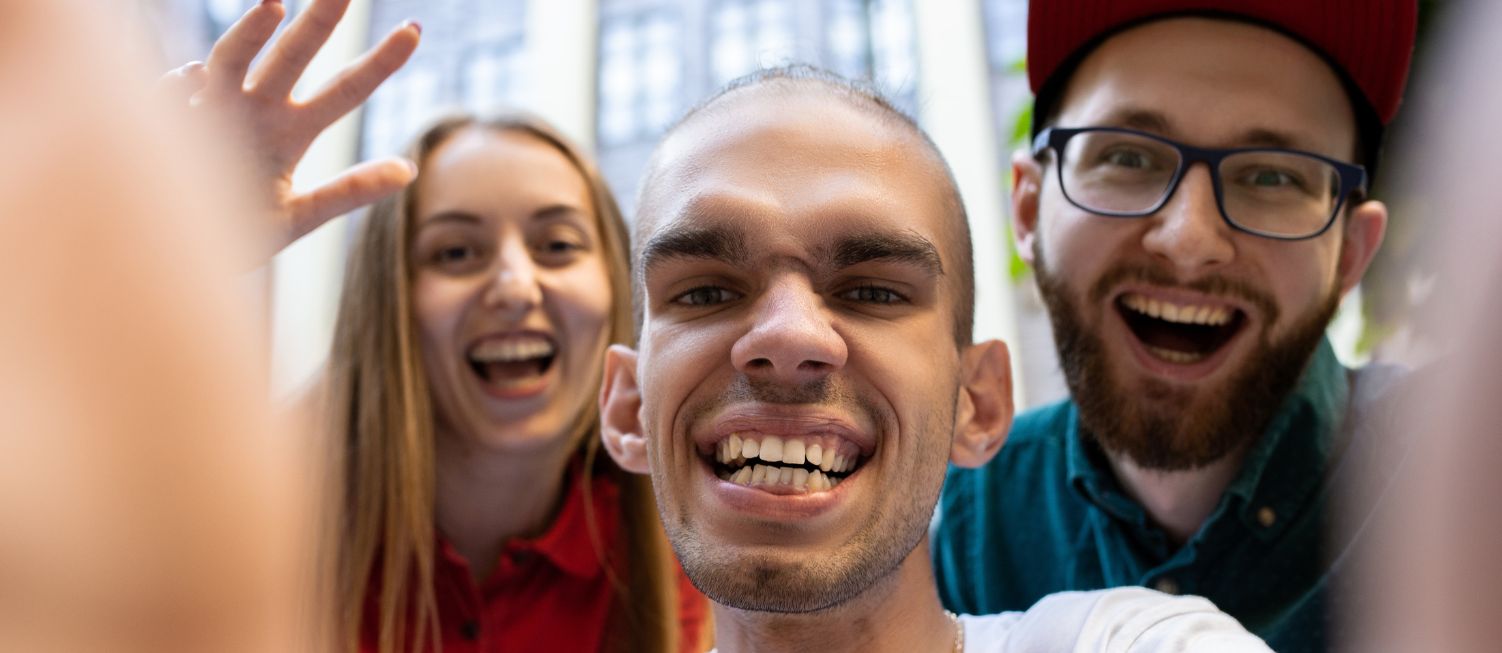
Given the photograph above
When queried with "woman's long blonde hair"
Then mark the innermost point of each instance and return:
(382, 416)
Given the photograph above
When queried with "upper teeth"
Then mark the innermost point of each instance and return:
(825, 453)
(1180, 313)
(509, 350)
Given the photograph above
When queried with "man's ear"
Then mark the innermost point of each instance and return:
(620, 411)
(1365, 227)
(985, 405)
(1027, 183)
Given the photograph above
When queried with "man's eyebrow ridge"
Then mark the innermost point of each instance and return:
(717, 242)
(878, 246)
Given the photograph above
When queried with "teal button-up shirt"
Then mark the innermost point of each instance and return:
(1048, 515)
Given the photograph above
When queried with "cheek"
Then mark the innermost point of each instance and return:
(1078, 246)
(1300, 278)
(437, 307)
(582, 304)
(914, 374)
(684, 367)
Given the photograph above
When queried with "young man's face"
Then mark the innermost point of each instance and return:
(794, 268)
(1169, 394)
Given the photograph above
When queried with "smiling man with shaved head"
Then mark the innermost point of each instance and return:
(805, 374)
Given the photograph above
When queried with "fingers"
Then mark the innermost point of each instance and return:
(278, 73)
(179, 85)
(357, 81)
(361, 185)
(240, 44)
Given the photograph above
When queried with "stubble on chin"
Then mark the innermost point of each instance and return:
(787, 582)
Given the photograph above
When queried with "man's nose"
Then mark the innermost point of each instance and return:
(792, 339)
(513, 285)
(1189, 231)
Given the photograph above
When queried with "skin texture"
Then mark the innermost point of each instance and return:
(506, 245)
(144, 488)
(751, 312)
(1433, 580)
(1210, 83)
(257, 101)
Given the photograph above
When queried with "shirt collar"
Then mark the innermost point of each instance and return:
(1289, 462)
(566, 544)
(1281, 469)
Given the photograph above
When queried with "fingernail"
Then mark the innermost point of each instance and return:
(271, 2)
(193, 67)
(416, 25)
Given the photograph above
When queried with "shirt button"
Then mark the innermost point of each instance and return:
(1166, 585)
(1266, 517)
(470, 630)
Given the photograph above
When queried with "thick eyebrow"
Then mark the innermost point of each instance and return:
(1134, 118)
(717, 242)
(1267, 138)
(906, 247)
(1157, 123)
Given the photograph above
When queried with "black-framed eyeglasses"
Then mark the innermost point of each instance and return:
(1271, 192)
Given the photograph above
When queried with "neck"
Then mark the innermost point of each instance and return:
(900, 612)
(1179, 502)
(486, 497)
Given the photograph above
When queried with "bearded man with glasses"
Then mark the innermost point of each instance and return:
(1194, 207)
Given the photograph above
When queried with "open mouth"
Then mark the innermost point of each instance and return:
(785, 464)
(512, 361)
(1177, 333)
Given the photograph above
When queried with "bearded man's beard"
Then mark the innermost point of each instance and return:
(1169, 426)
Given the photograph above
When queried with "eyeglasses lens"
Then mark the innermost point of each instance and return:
(1272, 192)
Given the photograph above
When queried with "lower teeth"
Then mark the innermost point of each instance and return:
(795, 477)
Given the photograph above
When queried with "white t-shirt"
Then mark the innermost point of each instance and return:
(1120, 620)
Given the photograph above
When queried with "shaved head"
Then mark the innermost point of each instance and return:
(730, 105)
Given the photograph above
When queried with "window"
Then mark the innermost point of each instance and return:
(748, 35)
(493, 75)
(473, 57)
(641, 76)
(874, 40)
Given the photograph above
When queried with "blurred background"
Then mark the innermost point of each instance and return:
(614, 73)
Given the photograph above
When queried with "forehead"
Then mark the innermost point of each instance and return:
(791, 170)
(1211, 81)
(500, 169)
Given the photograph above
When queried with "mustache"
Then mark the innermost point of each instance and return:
(1211, 285)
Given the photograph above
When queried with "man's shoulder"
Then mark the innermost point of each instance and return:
(1024, 478)
(1123, 618)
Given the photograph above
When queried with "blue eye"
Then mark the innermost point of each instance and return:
(706, 296)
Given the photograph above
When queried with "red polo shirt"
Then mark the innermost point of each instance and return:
(550, 593)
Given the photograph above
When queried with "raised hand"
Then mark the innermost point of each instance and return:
(278, 128)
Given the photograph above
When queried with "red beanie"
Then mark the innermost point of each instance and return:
(1370, 42)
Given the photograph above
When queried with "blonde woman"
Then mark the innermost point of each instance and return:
(474, 512)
